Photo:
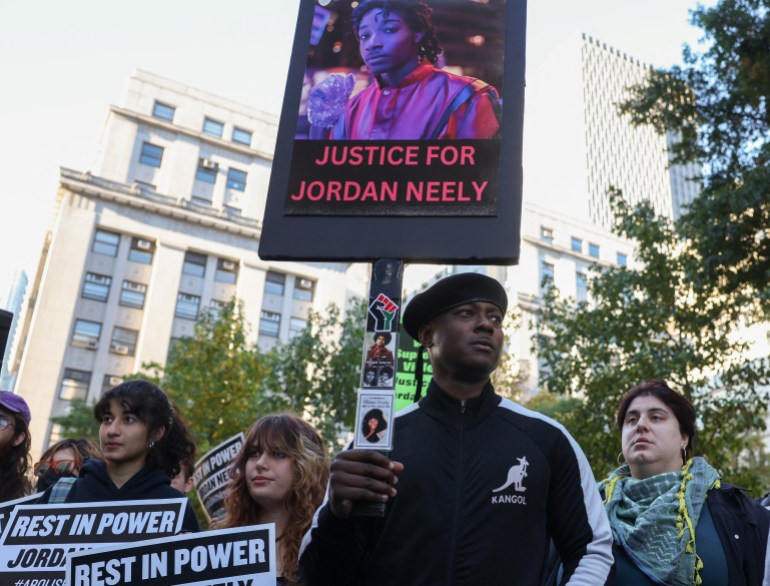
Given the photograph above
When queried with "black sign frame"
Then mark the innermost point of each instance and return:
(427, 239)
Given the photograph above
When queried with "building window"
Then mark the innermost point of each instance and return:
(296, 326)
(110, 381)
(546, 234)
(74, 384)
(593, 250)
(164, 111)
(275, 283)
(187, 306)
(581, 287)
(207, 171)
(86, 334)
(133, 294)
(141, 251)
(236, 179)
(213, 127)
(227, 271)
(123, 341)
(622, 260)
(270, 323)
(96, 287)
(151, 155)
(56, 434)
(194, 264)
(215, 307)
(242, 136)
(106, 243)
(303, 289)
(577, 244)
(546, 271)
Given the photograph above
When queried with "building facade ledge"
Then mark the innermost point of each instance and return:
(136, 196)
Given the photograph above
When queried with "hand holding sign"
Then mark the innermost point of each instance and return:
(361, 475)
(326, 101)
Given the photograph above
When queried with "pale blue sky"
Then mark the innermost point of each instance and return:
(63, 63)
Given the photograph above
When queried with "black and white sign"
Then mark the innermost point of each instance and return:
(7, 507)
(37, 538)
(244, 556)
(212, 476)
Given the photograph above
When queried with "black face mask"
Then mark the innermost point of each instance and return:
(49, 479)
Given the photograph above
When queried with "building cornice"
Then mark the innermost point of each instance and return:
(196, 134)
(136, 196)
(563, 250)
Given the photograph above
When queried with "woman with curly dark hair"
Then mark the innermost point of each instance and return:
(14, 447)
(279, 476)
(143, 439)
(409, 97)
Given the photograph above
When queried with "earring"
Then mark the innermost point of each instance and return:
(684, 455)
(621, 459)
(152, 445)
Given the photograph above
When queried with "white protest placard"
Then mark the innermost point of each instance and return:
(244, 556)
(7, 506)
(211, 476)
(37, 538)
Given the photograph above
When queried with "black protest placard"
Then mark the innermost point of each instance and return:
(7, 507)
(244, 556)
(424, 167)
(37, 538)
(211, 476)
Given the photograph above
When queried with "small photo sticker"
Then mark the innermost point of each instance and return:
(374, 420)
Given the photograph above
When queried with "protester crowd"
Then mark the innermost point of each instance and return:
(477, 490)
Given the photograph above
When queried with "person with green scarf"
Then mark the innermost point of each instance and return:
(674, 521)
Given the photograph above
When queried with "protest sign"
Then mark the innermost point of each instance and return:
(244, 556)
(37, 538)
(8, 506)
(211, 476)
(401, 171)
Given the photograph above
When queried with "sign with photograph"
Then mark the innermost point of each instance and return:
(211, 476)
(244, 556)
(374, 420)
(407, 149)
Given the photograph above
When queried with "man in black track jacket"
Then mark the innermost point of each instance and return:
(476, 486)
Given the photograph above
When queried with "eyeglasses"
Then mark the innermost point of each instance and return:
(60, 467)
(4, 423)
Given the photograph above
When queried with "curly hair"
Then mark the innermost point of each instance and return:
(152, 407)
(417, 16)
(14, 462)
(298, 440)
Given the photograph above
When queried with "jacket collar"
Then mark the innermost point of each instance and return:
(440, 405)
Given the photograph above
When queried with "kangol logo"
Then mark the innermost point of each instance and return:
(516, 476)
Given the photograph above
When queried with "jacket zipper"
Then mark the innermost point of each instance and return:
(458, 494)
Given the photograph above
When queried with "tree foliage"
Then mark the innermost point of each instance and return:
(215, 377)
(319, 370)
(718, 106)
(222, 383)
(78, 422)
(653, 321)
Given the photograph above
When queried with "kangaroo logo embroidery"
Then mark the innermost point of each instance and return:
(516, 474)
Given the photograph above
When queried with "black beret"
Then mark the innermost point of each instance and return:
(451, 292)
